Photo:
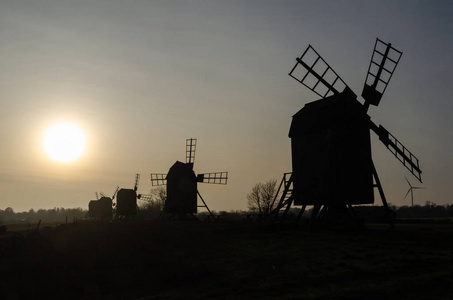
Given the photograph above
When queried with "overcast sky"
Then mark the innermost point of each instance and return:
(140, 77)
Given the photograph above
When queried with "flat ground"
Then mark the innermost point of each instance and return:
(151, 260)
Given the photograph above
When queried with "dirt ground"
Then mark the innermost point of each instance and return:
(196, 260)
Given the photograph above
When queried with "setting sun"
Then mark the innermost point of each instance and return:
(64, 142)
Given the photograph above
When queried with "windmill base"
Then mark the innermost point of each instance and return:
(342, 214)
(183, 215)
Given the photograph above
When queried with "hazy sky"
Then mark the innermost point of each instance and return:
(142, 76)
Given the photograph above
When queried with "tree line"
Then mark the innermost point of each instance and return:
(56, 215)
(260, 201)
(428, 210)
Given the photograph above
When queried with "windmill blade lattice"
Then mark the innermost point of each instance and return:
(317, 71)
(158, 179)
(383, 63)
(213, 178)
(406, 157)
(137, 180)
(145, 197)
(191, 145)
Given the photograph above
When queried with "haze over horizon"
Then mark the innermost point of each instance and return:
(140, 77)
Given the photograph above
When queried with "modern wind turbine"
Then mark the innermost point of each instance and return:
(411, 190)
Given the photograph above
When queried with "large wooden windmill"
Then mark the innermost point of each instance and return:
(181, 181)
(330, 138)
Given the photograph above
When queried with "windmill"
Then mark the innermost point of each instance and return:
(126, 203)
(102, 208)
(330, 138)
(182, 184)
(411, 190)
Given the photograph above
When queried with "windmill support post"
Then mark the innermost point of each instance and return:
(382, 195)
(210, 213)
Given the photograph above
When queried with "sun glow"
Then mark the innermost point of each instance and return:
(64, 142)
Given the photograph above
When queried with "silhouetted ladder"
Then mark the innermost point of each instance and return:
(378, 185)
(286, 198)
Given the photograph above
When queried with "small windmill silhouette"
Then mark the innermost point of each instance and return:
(182, 184)
(411, 190)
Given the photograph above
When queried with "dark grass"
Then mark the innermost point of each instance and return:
(151, 260)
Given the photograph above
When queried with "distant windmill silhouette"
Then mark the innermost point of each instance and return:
(411, 190)
(126, 201)
(182, 184)
(101, 208)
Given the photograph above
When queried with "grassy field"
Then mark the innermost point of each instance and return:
(195, 260)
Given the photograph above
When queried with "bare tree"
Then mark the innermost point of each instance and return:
(159, 196)
(261, 197)
(155, 203)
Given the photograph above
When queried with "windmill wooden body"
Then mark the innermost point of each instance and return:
(126, 203)
(330, 138)
(102, 208)
(182, 184)
(331, 151)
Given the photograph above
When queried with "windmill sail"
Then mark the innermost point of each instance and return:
(409, 160)
(137, 179)
(214, 178)
(317, 71)
(158, 179)
(383, 62)
(145, 197)
(191, 145)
